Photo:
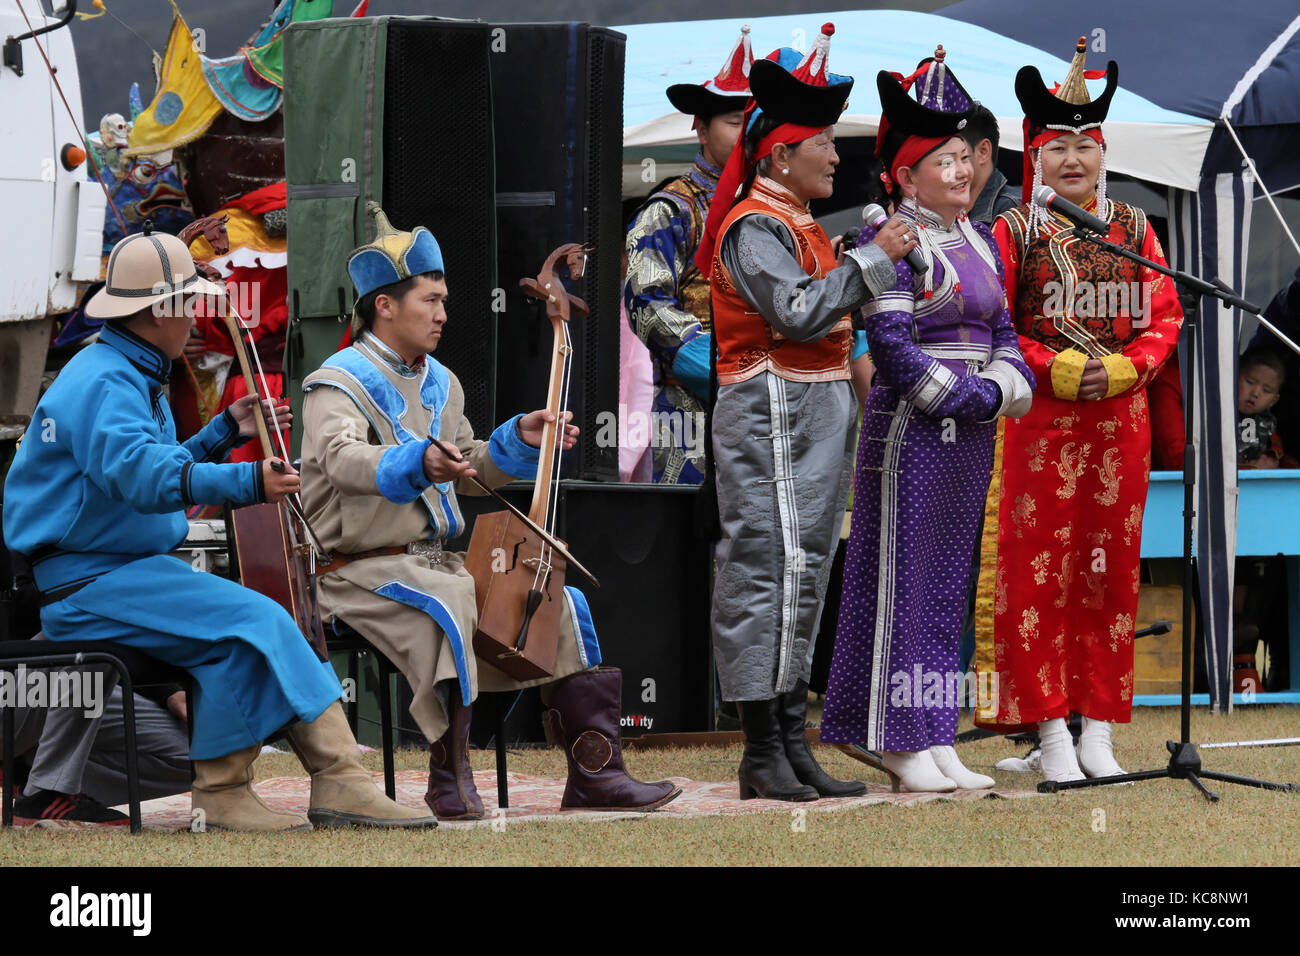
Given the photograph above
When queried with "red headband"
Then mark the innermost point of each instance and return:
(914, 148)
(1038, 141)
(733, 176)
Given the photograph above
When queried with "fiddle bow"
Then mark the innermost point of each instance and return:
(273, 545)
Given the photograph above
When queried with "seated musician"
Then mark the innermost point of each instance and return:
(382, 498)
(94, 501)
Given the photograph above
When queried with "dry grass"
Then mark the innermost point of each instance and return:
(1162, 823)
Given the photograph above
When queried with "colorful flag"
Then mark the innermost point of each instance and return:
(266, 52)
(183, 107)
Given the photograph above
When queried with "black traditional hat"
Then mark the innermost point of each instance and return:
(790, 87)
(906, 116)
(800, 96)
(941, 110)
(1069, 108)
(726, 92)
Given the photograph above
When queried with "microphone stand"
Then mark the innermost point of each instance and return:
(1184, 760)
(1075, 722)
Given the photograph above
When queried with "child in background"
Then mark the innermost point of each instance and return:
(1258, 580)
(1259, 386)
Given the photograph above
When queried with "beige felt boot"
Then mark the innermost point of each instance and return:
(342, 793)
(221, 791)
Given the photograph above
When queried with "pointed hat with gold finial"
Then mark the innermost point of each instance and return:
(392, 257)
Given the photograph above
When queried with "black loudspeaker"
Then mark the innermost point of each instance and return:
(557, 105)
(651, 610)
(505, 141)
(397, 110)
(438, 171)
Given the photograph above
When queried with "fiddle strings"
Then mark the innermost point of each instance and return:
(556, 451)
(266, 389)
(294, 503)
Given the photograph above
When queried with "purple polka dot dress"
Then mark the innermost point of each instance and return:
(947, 365)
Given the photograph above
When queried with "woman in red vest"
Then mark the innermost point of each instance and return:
(782, 424)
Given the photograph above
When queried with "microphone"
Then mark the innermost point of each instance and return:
(875, 217)
(1046, 197)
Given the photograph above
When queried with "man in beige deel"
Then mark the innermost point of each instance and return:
(382, 498)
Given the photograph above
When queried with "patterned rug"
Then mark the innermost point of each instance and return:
(537, 799)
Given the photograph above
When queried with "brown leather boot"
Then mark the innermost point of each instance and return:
(582, 716)
(222, 791)
(452, 794)
(342, 793)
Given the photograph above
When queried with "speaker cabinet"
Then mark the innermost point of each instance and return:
(506, 141)
(651, 610)
(557, 98)
(439, 172)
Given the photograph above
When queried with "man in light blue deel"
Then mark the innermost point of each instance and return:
(95, 500)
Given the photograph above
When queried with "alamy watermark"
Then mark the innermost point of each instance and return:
(76, 908)
(657, 429)
(943, 690)
(40, 688)
(1089, 300)
(243, 298)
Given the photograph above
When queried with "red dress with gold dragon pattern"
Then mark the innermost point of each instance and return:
(1058, 585)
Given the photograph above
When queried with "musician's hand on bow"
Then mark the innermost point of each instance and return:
(1095, 382)
(532, 425)
(440, 467)
(279, 479)
(245, 414)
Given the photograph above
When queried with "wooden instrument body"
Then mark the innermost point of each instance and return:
(503, 557)
(265, 543)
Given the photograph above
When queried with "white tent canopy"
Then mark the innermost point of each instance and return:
(1143, 140)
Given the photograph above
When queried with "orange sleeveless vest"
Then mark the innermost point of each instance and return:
(747, 344)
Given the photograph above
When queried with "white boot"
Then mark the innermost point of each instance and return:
(945, 758)
(1059, 761)
(916, 771)
(1096, 754)
(1031, 762)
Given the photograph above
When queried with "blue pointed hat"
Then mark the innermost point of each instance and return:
(394, 255)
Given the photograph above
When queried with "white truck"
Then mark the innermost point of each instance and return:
(51, 214)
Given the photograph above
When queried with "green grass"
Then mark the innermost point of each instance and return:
(1161, 823)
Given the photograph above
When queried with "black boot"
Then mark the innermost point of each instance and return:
(764, 769)
(792, 708)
